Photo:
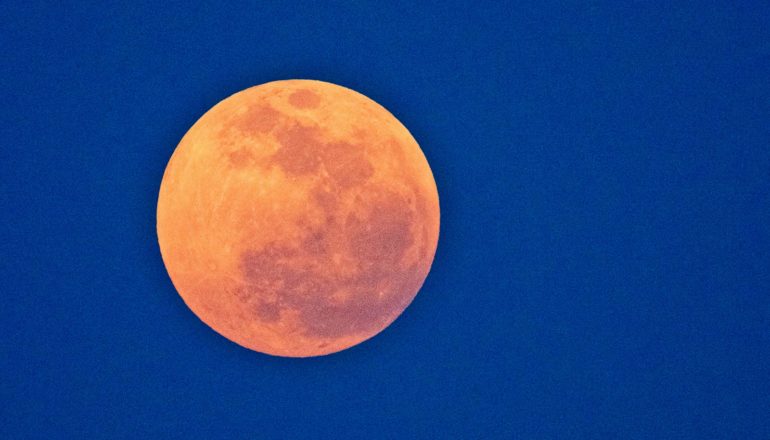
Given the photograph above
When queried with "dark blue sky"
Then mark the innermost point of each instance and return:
(603, 269)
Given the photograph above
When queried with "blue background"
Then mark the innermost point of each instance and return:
(604, 263)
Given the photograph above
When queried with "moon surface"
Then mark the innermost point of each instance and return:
(298, 218)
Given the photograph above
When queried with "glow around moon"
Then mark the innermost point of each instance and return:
(298, 218)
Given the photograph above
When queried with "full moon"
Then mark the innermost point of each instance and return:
(298, 218)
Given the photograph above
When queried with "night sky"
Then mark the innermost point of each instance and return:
(603, 269)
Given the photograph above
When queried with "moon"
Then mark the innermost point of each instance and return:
(298, 218)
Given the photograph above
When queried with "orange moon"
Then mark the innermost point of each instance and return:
(298, 218)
